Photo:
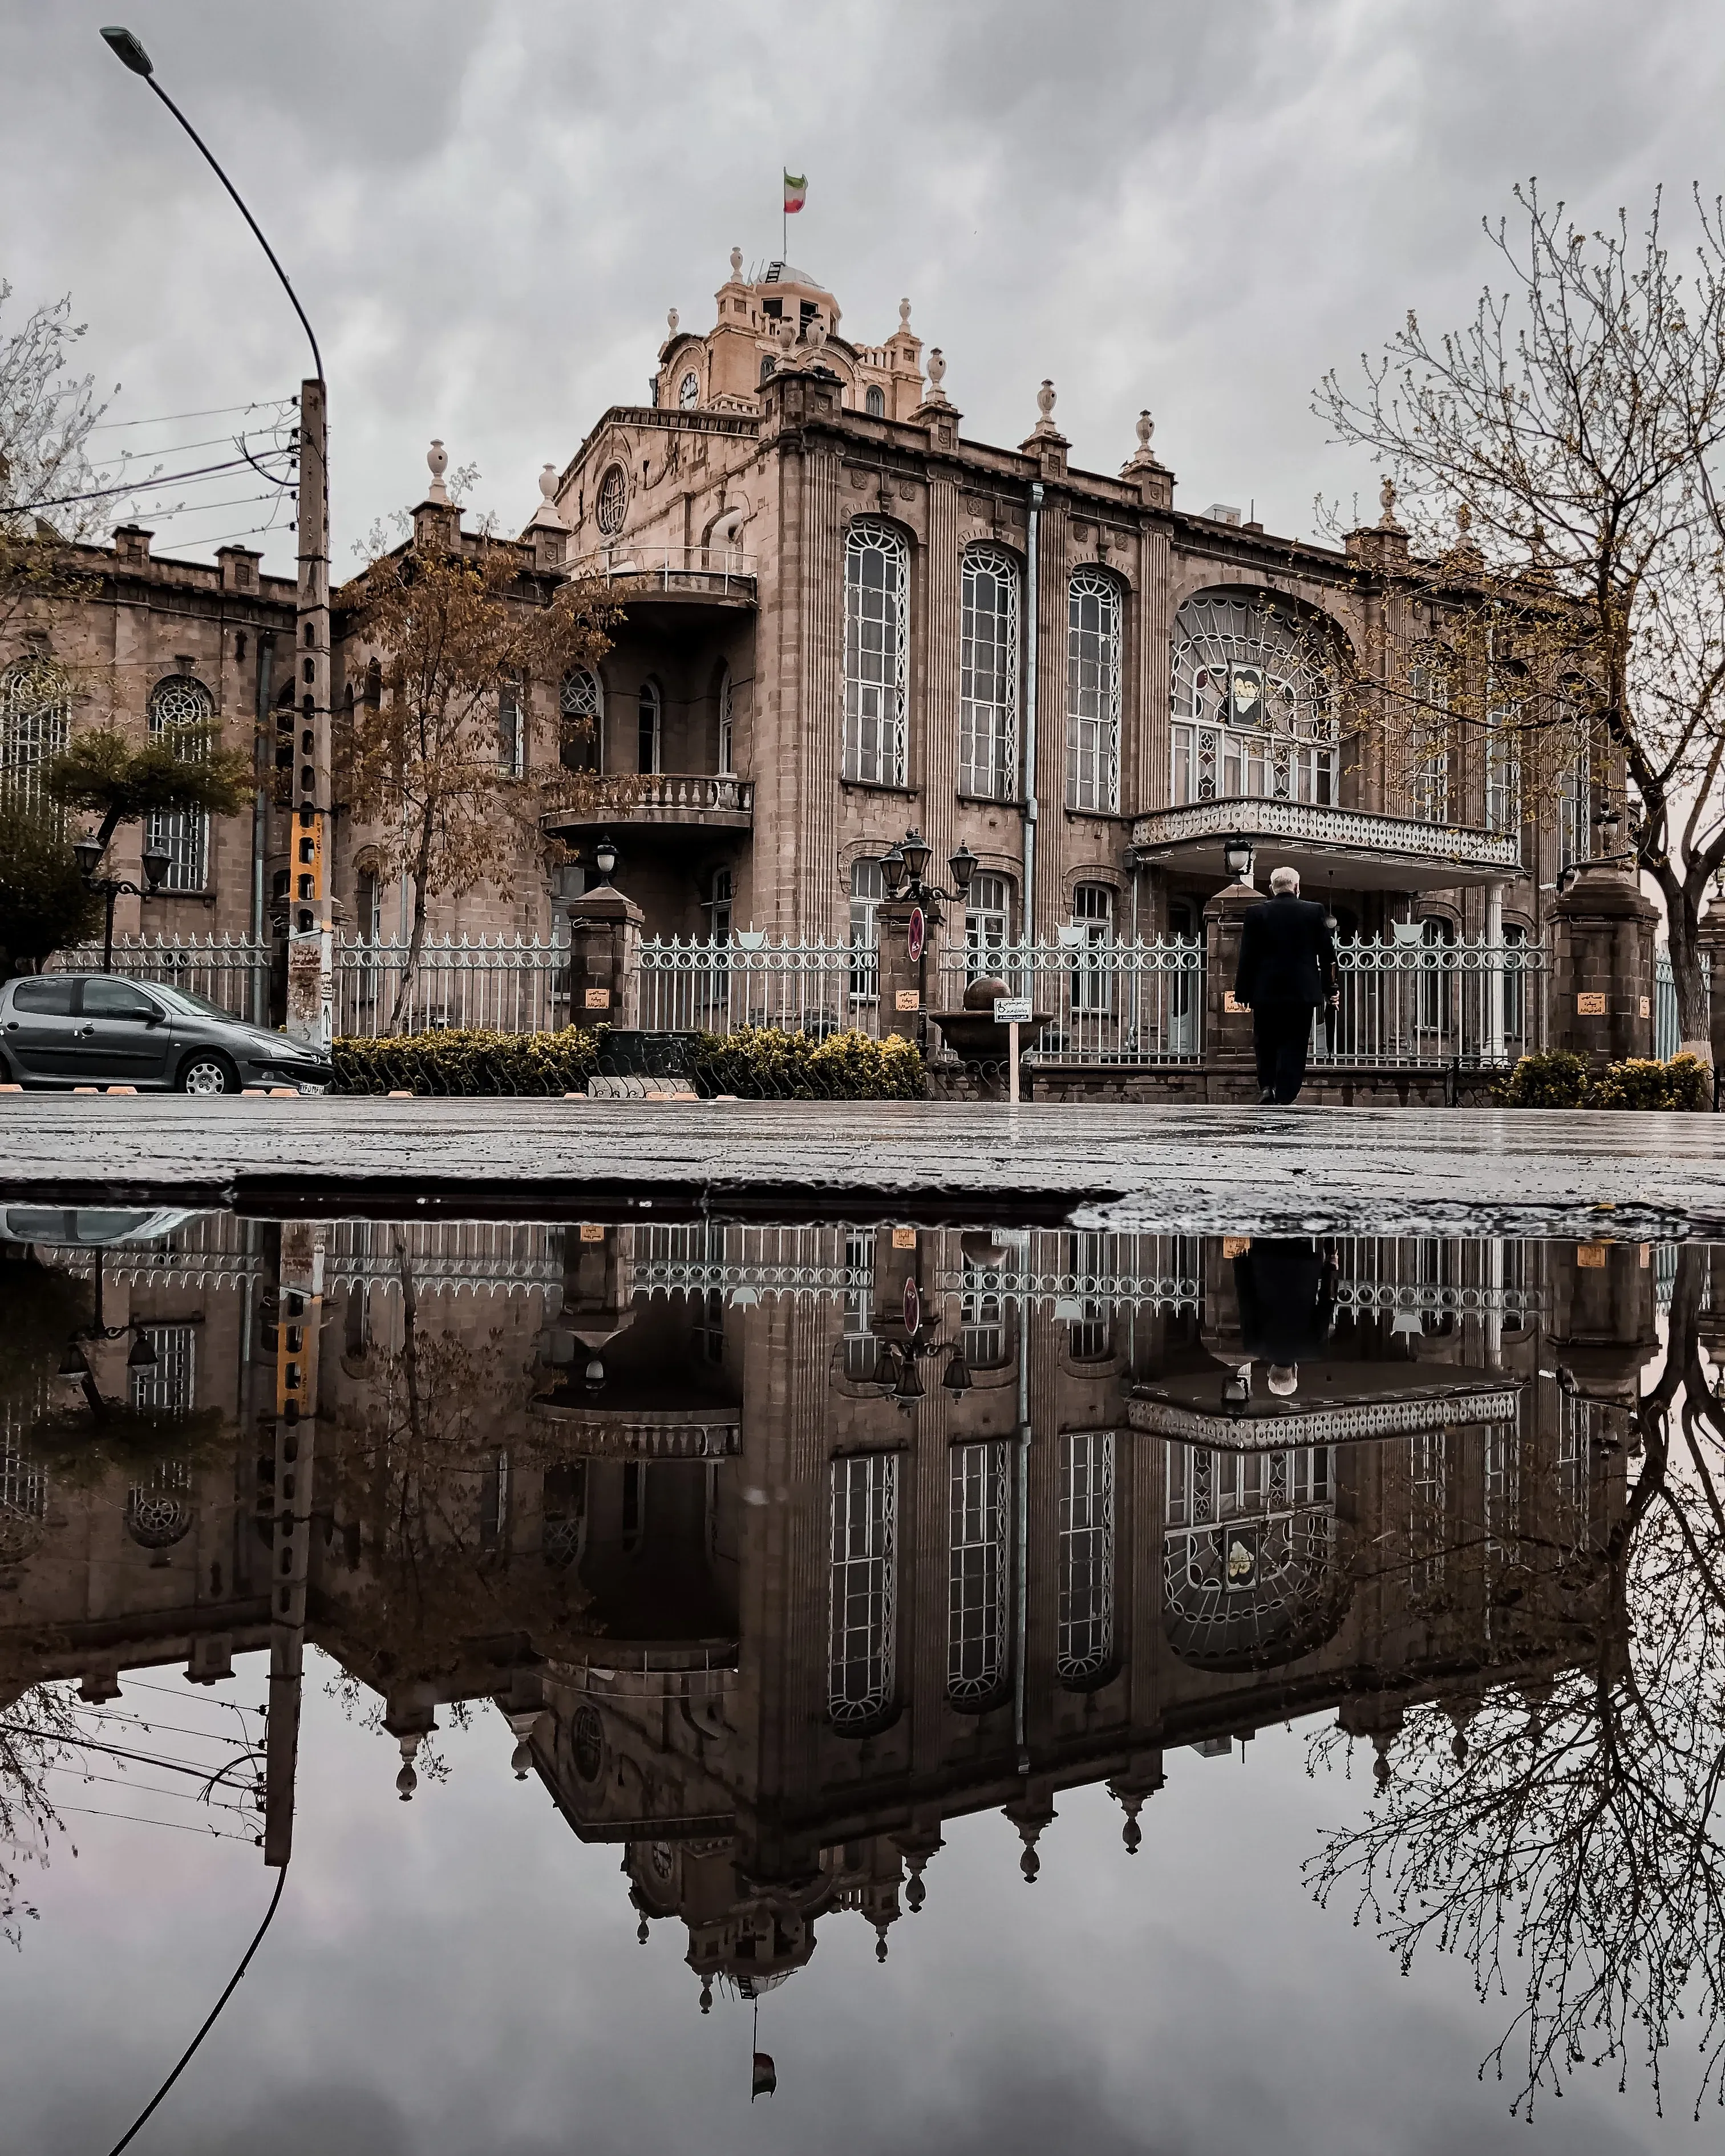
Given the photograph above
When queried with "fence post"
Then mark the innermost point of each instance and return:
(1712, 950)
(899, 975)
(1228, 1029)
(604, 971)
(1602, 984)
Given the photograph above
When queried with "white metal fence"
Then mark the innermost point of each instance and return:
(1667, 1033)
(1410, 1003)
(705, 984)
(503, 983)
(230, 971)
(1106, 1002)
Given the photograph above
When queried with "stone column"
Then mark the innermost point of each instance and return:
(901, 976)
(604, 959)
(1602, 932)
(1227, 1058)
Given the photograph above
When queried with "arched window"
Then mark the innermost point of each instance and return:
(1575, 804)
(650, 729)
(1093, 919)
(612, 505)
(512, 730)
(985, 1337)
(1092, 691)
(861, 1615)
(988, 923)
(1430, 788)
(374, 686)
(977, 1577)
(1515, 981)
(1254, 703)
(876, 654)
(35, 726)
(1437, 974)
(727, 738)
(1249, 1554)
(874, 402)
(988, 675)
(720, 899)
(1084, 1646)
(689, 391)
(868, 887)
(582, 705)
(177, 706)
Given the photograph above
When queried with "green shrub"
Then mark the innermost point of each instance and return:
(1684, 1083)
(465, 1060)
(1554, 1080)
(759, 1063)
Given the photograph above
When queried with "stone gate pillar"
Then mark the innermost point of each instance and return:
(1601, 984)
(903, 979)
(604, 959)
(1712, 946)
(1230, 1070)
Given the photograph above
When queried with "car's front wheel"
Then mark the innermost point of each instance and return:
(204, 1071)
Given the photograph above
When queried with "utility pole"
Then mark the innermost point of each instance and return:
(310, 972)
(299, 1319)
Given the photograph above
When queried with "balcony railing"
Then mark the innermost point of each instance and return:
(1435, 855)
(718, 799)
(695, 570)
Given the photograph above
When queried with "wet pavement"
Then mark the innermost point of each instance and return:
(978, 1686)
(1196, 1170)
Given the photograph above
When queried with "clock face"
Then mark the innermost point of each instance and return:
(688, 392)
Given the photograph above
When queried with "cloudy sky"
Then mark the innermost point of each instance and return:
(488, 208)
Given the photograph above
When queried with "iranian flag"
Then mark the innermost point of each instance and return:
(796, 193)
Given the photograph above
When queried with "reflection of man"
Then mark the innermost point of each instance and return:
(1288, 967)
(1286, 1293)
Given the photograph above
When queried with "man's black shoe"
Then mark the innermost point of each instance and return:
(1267, 1099)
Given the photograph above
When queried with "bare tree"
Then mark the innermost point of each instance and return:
(1577, 424)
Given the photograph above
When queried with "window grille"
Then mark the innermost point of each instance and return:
(169, 1385)
(1428, 1513)
(1253, 708)
(176, 704)
(1248, 1553)
(1515, 986)
(1092, 691)
(727, 743)
(977, 1579)
(988, 923)
(868, 887)
(877, 655)
(611, 505)
(989, 676)
(582, 704)
(1085, 1637)
(1575, 802)
(35, 726)
(160, 1512)
(23, 1487)
(1093, 915)
(769, 368)
(861, 1619)
(982, 1315)
(1503, 1496)
(563, 1521)
(1428, 775)
(874, 403)
(1503, 770)
(651, 729)
(511, 731)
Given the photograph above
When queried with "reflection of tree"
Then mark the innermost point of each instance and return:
(1567, 1845)
(36, 1729)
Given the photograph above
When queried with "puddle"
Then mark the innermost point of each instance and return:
(1029, 1686)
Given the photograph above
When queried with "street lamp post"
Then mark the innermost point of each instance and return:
(88, 853)
(311, 953)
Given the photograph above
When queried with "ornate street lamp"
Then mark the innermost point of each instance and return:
(904, 868)
(604, 859)
(1237, 858)
(961, 866)
(892, 869)
(88, 853)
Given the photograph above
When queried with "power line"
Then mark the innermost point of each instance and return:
(174, 1826)
(209, 412)
(140, 485)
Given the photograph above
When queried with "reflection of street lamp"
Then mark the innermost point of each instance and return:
(88, 853)
(899, 1379)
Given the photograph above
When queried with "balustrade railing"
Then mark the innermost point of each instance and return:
(669, 566)
(707, 984)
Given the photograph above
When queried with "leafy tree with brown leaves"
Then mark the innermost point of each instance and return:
(1578, 424)
(436, 761)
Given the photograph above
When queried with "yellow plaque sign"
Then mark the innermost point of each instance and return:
(1591, 1255)
(1230, 1002)
(904, 1239)
(908, 999)
(592, 1232)
(1236, 1247)
(1590, 1003)
(599, 999)
(1646, 1010)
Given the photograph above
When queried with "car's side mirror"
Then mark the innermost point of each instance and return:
(155, 1015)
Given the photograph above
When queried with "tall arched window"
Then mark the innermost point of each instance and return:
(35, 726)
(650, 730)
(512, 729)
(1249, 1554)
(582, 705)
(1430, 788)
(1092, 691)
(178, 705)
(874, 402)
(1084, 1645)
(976, 1596)
(876, 654)
(868, 887)
(727, 736)
(986, 1336)
(1253, 702)
(988, 675)
(861, 1617)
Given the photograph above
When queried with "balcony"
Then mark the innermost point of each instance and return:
(1356, 849)
(664, 800)
(683, 576)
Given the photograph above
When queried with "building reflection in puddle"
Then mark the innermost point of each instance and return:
(778, 1549)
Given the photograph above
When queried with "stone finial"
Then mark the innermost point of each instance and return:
(1046, 403)
(904, 317)
(437, 458)
(1146, 428)
(548, 482)
(937, 375)
(407, 1781)
(1386, 500)
(671, 319)
(816, 334)
(787, 336)
(737, 265)
(547, 516)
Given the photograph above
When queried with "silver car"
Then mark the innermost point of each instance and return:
(93, 1030)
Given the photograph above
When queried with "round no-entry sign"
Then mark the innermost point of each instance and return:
(913, 1307)
(916, 935)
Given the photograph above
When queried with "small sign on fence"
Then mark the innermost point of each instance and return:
(1230, 1002)
(1591, 1257)
(908, 999)
(1013, 1010)
(1646, 1010)
(904, 1239)
(1591, 1004)
(592, 1232)
(599, 999)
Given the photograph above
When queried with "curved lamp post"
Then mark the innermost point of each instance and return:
(88, 853)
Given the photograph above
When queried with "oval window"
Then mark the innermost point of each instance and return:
(614, 500)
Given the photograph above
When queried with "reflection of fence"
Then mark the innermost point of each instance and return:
(1411, 1005)
(1109, 1002)
(232, 971)
(716, 985)
(509, 984)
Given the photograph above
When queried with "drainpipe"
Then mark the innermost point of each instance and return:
(262, 765)
(1027, 933)
(1021, 1537)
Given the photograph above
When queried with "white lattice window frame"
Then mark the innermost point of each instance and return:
(979, 1486)
(727, 725)
(988, 675)
(611, 501)
(1084, 1638)
(877, 654)
(862, 1613)
(177, 701)
(1094, 617)
(35, 726)
(1295, 754)
(581, 698)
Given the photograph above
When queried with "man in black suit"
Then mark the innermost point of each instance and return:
(1286, 1290)
(1287, 969)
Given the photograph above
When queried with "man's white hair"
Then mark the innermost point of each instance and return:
(1285, 879)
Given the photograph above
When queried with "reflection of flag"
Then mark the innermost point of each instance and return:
(796, 193)
(766, 2075)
